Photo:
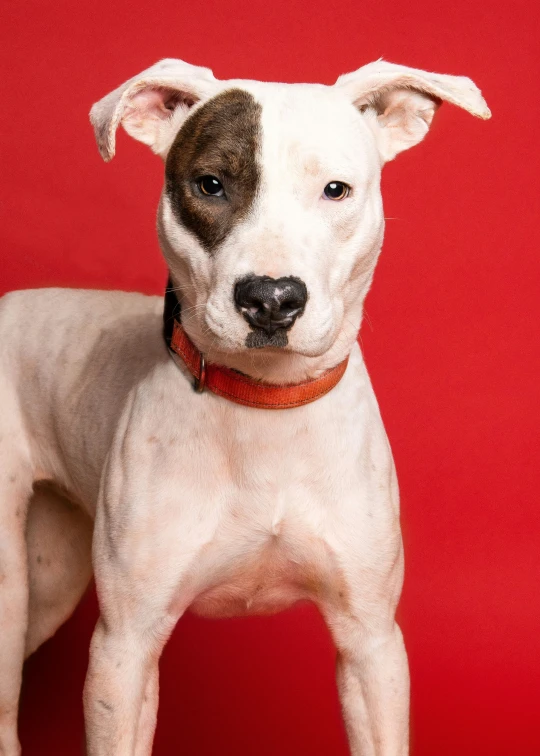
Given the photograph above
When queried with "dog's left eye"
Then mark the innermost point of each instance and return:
(336, 190)
(210, 186)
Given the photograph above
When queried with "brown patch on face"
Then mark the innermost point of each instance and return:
(221, 139)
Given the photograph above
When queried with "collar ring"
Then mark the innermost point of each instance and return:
(199, 383)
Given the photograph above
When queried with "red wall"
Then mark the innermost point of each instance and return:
(451, 343)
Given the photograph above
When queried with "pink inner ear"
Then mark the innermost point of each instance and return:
(157, 102)
(402, 104)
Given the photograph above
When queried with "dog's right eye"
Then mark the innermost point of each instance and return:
(210, 186)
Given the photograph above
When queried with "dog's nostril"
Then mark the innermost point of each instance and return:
(270, 303)
(290, 304)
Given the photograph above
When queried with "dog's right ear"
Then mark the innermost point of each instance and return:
(151, 106)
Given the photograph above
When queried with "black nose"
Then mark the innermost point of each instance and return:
(270, 303)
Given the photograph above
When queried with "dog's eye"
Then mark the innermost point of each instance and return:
(336, 190)
(210, 186)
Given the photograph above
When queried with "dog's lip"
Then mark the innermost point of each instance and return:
(216, 333)
(220, 341)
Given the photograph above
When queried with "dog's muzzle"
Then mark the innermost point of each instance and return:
(231, 384)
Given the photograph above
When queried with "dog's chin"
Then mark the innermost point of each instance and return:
(259, 339)
(281, 342)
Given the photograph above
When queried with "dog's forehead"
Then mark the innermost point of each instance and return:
(294, 121)
(298, 105)
(311, 133)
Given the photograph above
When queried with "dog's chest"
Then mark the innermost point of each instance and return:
(271, 546)
(258, 507)
(261, 565)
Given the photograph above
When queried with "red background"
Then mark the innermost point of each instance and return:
(451, 344)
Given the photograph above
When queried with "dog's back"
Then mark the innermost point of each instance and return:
(44, 325)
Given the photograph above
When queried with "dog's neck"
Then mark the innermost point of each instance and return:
(279, 368)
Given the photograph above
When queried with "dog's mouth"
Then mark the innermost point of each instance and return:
(217, 333)
(270, 337)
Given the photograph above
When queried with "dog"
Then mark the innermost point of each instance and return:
(223, 453)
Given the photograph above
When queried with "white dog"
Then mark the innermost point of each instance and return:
(273, 482)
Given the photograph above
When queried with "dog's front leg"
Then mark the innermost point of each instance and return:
(141, 556)
(373, 685)
(119, 715)
(148, 717)
(372, 668)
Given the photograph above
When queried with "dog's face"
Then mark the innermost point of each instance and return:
(271, 217)
(272, 197)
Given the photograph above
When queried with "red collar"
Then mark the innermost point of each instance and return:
(242, 389)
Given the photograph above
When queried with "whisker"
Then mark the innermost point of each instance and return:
(368, 319)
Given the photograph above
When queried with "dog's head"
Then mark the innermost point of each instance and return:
(271, 218)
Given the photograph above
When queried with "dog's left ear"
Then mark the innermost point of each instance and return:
(152, 105)
(399, 103)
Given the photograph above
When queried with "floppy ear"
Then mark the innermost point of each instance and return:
(399, 102)
(152, 105)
